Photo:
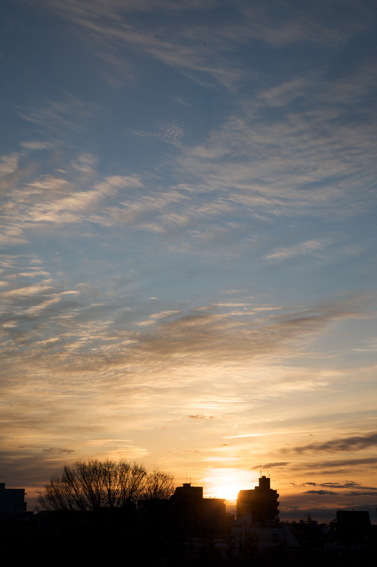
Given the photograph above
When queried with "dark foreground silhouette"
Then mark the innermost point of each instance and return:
(179, 529)
(158, 534)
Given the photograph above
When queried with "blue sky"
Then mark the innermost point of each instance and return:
(188, 204)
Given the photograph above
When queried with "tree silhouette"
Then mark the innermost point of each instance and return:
(159, 485)
(90, 485)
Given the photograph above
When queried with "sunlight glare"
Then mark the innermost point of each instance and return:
(226, 483)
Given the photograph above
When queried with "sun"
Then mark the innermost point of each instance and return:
(226, 483)
(228, 491)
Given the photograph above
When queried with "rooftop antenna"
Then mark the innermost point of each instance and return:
(260, 469)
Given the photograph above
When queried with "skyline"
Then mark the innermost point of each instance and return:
(188, 263)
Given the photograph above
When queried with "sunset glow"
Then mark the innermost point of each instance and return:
(226, 483)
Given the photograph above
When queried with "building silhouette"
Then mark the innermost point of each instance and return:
(198, 514)
(12, 503)
(261, 502)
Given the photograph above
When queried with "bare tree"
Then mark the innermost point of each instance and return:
(89, 485)
(158, 485)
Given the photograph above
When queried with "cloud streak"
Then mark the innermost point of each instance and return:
(354, 443)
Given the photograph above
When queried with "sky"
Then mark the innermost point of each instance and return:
(188, 259)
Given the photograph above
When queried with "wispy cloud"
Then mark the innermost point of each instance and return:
(178, 340)
(26, 291)
(349, 484)
(265, 167)
(354, 443)
(321, 492)
(201, 416)
(298, 162)
(170, 133)
(59, 201)
(35, 145)
(63, 118)
(199, 50)
(8, 164)
(344, 465)
(271, 465)
(298, 250)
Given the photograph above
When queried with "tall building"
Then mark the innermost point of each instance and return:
(12, 502)
(261, 502)
(199, 515)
